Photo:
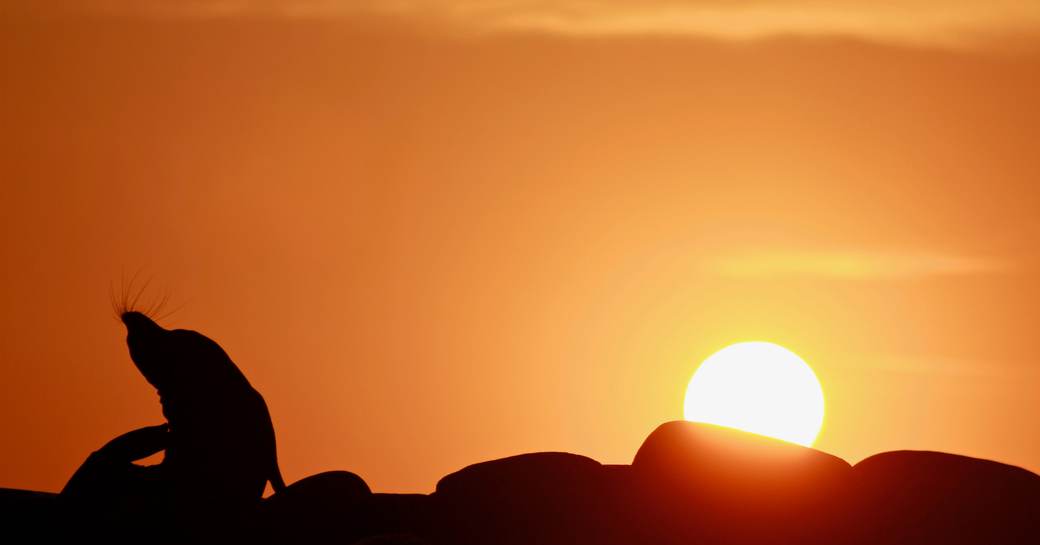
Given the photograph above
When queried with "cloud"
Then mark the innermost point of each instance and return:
(933, 366)
(849, 265)
(948, 22)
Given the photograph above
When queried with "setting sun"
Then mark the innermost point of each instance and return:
(758, 387)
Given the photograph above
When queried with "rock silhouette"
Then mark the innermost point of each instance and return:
(317, 507)
(688, 484)
(909, 496)
(705, 483)
(544, 497)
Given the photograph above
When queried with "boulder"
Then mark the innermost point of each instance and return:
(933, 497)
(704, 482)
(547, 497)
(538, 474)
(322, 508)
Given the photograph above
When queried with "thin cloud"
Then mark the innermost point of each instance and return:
(949, 22)
(850, 265)
(933, 366)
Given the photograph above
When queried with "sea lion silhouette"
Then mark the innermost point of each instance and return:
(221, 450)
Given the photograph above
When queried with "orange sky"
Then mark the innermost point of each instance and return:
(435, 236)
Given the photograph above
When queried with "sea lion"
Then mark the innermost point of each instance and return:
(218, 440)
(221, 451)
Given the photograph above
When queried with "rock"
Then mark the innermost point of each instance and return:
(688, 484)
(711, 457)
(933, 497)
(538, 473)
(704, 482)
(547, 497)
(317, 509)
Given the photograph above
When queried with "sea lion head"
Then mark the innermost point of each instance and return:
(179, 363)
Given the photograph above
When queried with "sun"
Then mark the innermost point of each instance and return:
(758, 387)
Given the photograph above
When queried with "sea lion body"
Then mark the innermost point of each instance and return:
(221, 450)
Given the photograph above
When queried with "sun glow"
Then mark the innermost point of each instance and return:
(758, 387)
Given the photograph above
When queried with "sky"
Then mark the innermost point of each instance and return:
(438, 232)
